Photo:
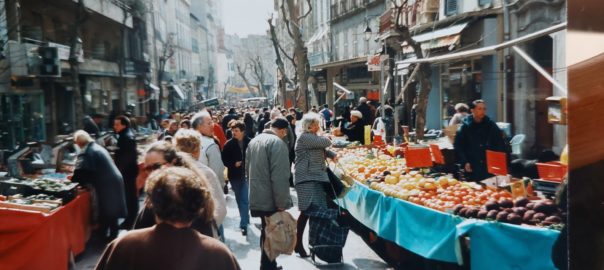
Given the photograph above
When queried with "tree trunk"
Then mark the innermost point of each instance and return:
(280, 66)
(74, 67)
(300, 53)
(422, 103)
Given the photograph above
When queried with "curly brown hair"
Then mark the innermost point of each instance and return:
(176, 194)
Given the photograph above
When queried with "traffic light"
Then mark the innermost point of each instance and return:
(50, 66)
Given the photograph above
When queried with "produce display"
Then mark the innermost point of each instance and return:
(52, 185)
(519, 211)
(444, 193)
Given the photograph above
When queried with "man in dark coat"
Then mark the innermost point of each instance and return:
(126, 159)
(233, 157)
(91, 124)
(365, 110)
(94, 166)
(477, 134)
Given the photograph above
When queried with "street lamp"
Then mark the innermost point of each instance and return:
(368, 33)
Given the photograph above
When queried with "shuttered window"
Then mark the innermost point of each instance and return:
(451, 7)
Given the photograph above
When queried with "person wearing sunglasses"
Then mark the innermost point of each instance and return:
(160, 156)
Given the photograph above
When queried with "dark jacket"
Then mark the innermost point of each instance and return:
(355, 132)
(472, 141)
(91, 127)
(367, 115)
(126, 156)
(233, 153)
(166, 247)
(94, 166)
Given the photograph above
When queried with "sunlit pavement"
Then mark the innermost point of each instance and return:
(357, 255)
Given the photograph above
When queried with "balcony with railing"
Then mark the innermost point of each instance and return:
(345, 8)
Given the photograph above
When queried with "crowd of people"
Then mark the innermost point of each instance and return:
(265, 152)
(261, 153)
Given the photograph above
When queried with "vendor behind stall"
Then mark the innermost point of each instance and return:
(355, 130)
(95, 166)
(477, 134)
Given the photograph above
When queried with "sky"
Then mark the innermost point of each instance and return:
(244, 17)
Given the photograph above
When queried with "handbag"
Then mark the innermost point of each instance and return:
(336, 188)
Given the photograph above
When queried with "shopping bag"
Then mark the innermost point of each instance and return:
(280, 234)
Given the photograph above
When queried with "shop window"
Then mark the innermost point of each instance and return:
(451, 7)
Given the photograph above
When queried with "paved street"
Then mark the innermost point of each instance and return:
(357, 255)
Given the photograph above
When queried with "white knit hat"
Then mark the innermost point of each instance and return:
(356, 113)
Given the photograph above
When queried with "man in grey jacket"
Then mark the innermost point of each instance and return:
(267, 168)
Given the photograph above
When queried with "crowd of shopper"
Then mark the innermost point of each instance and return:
(265, 153)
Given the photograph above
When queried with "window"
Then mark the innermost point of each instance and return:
(484, 2)
(345, 53)
(451, 7)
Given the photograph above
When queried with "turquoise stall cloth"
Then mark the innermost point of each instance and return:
(509, 247)
(434, 235)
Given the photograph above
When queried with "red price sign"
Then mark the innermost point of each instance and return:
(418, 157)
(438, 155)
(497, 163)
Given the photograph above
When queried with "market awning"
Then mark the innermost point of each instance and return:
(488, 50)
(437, 39)
(241, 90)
(362, 59)
(154, 87)
(178, 91)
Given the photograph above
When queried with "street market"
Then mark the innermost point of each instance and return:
(301, 134)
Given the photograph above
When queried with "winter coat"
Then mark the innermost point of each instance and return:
(267, 168)
(310, 158)
(366, 112)
(355, 132)
(94, 166)
(472, 141)
(231, 154)
(211, 157)
(126, 156)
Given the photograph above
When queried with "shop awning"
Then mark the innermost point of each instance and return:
(488, 50)
(178, 91)
(437, 39)
(362, 59)
(154, 87)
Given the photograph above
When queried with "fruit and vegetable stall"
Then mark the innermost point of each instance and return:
(43, 222)
(432, 214)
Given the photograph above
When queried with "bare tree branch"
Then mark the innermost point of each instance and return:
(290, 58)
(308, 12)
(287, 22)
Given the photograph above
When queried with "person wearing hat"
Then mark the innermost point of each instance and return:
(91, 124)
(355, 130)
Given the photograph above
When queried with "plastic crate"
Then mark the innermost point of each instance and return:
(552, 171)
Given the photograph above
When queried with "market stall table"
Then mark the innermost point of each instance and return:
(435, 235)
(32, 240)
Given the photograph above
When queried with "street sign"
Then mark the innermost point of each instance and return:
(373, 62)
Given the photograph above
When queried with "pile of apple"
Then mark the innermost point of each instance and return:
(364, 164)
(440, 194)
(519, 211)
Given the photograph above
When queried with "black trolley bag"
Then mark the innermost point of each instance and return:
(327, 233)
